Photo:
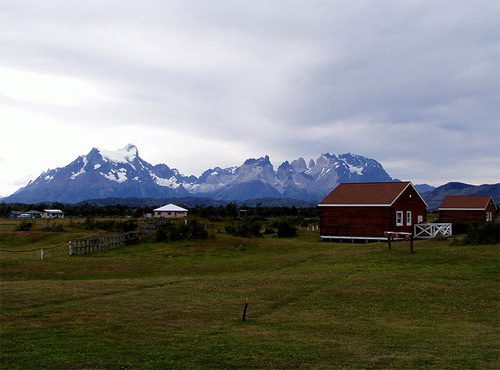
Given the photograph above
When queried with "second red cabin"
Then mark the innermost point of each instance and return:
(467, 209)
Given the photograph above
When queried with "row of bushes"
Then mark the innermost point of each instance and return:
(110, 225)
(249, 228)
(479, 234)
(173, 231)
(27, 226)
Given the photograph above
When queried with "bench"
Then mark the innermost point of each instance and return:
(391, 235)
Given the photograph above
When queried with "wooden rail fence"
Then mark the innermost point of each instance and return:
(98, 243)
(429, 231)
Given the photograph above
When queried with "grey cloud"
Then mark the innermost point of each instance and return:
(387, 79)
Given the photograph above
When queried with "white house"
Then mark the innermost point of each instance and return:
(52, 213)
(170, 211)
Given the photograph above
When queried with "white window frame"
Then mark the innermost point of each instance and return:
(399, 218)
(408, 218)
(489, 216)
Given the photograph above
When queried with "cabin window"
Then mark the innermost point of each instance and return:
(399, 218)
(489, 216)
(408, 218)
(420, 219)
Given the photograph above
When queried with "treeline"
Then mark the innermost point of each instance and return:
(212, 213)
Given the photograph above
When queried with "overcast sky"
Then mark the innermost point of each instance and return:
(198, 84)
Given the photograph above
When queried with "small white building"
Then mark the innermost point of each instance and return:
(52, 213)
(170, 211)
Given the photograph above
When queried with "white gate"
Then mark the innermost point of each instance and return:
(429, 231)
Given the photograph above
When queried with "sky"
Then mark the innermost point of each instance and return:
(198, 84)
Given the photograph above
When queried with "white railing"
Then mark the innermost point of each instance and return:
(429, 231)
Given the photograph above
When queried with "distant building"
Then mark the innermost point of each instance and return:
(364, 211)
(34, 214)
(26, 214)
(15, 214)
(52, 213)
(467, 209)
(170, 211)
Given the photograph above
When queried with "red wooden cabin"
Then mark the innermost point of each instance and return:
(467, 209)
(364, 211)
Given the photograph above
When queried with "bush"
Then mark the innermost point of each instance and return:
(268, 230)
(89, 223)
(107, 225)
(286, 230)
(173, 231)
(460, 228)
(246, 228)
(24, 226)
(110, 225)
(53, 228)
(126, 226)
(482, 234)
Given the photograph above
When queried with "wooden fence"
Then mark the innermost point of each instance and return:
(429, 231)
(99, 243)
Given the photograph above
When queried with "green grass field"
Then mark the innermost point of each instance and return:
(311, 304)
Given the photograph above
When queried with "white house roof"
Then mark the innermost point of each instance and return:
(170, 208)
(53, 211)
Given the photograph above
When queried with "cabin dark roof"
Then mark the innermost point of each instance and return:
(465, 202)
(365, 194)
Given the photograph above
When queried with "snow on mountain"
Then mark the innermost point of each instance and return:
(123, 173)
(125, 155)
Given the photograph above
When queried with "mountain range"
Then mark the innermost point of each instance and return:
(124, 174)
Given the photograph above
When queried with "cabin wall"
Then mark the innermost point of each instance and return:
(462, 216)
(493, 209)
(466, 217)
(355, 221)
(170, 214)
(409, 201)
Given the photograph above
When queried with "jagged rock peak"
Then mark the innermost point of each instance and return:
(262, 161)
(299, 165)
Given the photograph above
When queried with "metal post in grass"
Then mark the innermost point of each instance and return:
(243, 318)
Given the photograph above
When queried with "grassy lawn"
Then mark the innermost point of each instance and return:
(311, 304)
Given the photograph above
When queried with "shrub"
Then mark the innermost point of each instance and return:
(107, 225)
(460, 228)
(246, 228)
(24, 226)
(89, 223)
(53, 228)
(173, 231)
(286, 230)
(126, 226)
(268, 230)
(110, 225)
(482, 234)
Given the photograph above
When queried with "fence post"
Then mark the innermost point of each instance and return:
(41, 253)
(244, 316)
(70, 247)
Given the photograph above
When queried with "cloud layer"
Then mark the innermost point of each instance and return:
(195, 84)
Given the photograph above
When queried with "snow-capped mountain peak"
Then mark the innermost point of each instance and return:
(124, 155)
(122, 173)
